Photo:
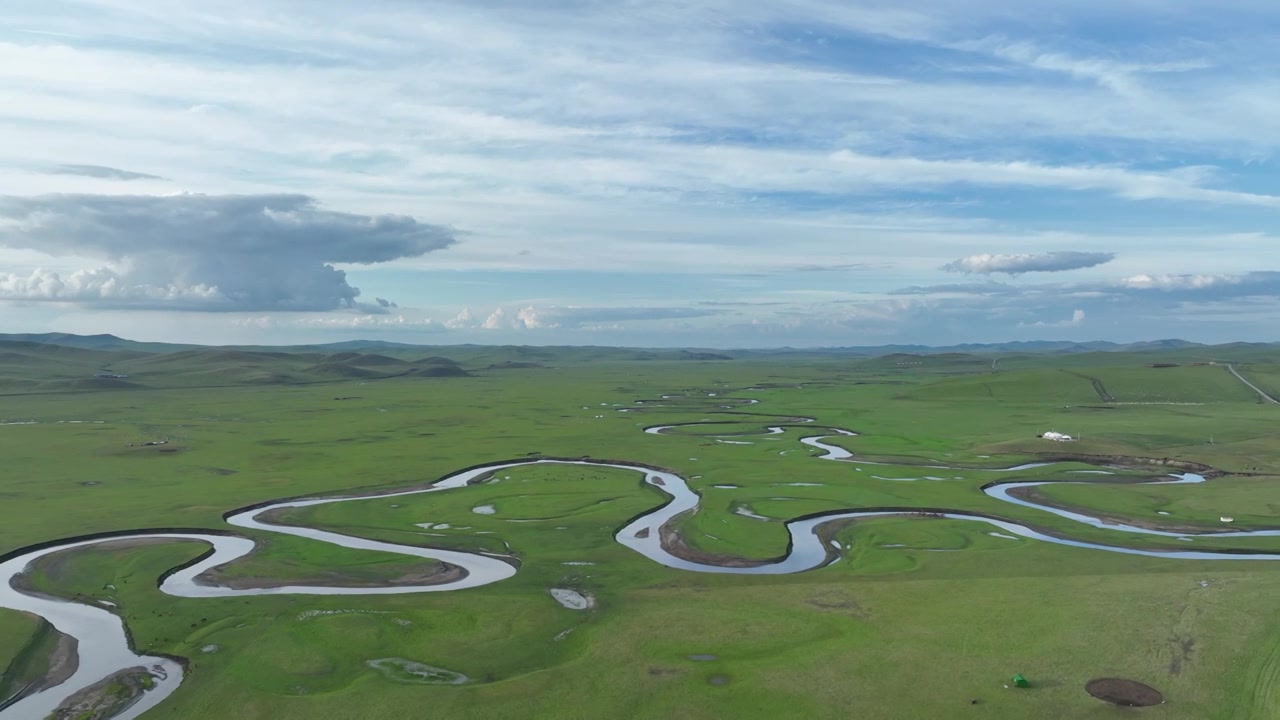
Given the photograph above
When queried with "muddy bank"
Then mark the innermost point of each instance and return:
(675, 544)
(54, 566)
(1132, 461)
(56, 667)
(430, 574)
(427, 573)
(106, 698)
(1031, 494)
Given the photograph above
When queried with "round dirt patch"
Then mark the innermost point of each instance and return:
(1126, 693)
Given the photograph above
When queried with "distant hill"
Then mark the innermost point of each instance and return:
(1022, 346)
(28, 366)
(52, 362)
(92, 342)
(436, 371)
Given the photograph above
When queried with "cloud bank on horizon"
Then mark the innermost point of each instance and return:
(723, 173)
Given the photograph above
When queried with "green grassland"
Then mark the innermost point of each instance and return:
(916, 618)
(26, 643)
(1265, 376)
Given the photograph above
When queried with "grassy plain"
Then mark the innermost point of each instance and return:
(917, 618)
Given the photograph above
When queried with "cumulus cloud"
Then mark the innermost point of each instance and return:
(464, 319)
(1260, 283)
(102, 285)
(205, 252)
(497, 320)
(1028, 262)
(1077, 319)
(101, 171)
(531, 317)
(345, 321)
(1178, 282)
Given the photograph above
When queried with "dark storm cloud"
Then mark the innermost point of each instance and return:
(205, 252)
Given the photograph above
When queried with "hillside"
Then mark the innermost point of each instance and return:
(59, 362)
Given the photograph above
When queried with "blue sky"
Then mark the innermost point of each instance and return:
(714, 173)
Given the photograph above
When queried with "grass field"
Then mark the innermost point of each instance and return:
(917, 618)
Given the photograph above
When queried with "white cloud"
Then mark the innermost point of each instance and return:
(200, 252)
(1114, 75)
(1077, 319)
(463, 319)
(102, 286)
(497, 320)
(714, 139)
(346, 322)
(531, 317)
(1177, 282)
(1028, 262)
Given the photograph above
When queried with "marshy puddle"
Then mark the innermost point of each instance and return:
(745, 511)
(572, 599)
(484, 510)
(702, 657)
(411, 671)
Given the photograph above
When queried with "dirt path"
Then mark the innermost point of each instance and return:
(1098, 387)
(1261, 393)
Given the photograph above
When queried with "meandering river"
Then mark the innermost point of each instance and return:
(104, 649)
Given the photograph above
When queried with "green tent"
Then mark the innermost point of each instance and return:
(1019, 681)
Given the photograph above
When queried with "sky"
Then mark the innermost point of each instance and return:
(710, 173)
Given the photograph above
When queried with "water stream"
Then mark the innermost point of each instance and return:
(103, 647)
